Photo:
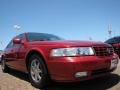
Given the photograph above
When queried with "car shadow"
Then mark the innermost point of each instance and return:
(18, 74)
(101, 83)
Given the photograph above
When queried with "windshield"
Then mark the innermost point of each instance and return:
(42, 37)
(113, 40)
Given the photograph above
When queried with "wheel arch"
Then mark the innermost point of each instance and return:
(35, 51)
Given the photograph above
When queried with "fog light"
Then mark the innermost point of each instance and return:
(80, 74)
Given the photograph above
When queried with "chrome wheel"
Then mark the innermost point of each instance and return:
(38, 74)
(35, 70)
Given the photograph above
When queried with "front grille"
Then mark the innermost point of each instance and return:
(103, 51)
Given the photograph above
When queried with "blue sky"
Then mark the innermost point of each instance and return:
(70, 19)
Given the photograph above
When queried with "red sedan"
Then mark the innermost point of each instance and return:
(45, 56)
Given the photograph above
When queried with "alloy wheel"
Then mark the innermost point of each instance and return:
(35, 70)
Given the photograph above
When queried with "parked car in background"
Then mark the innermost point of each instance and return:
(48, 57)
(115, 42)
(1, 53)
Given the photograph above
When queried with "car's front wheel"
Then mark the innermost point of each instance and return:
(38, 73)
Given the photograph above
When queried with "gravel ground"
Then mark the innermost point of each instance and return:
(15, 80)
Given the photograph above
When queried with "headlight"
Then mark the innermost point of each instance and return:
(72, 51)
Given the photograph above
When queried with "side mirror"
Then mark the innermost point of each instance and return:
(16, 41)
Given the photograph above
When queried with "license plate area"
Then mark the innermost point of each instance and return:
(113, 63)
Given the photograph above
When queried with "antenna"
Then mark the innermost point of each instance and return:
(109, 30)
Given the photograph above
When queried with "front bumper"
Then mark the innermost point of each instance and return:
(64, 69)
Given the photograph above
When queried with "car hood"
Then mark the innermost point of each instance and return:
(69, 43)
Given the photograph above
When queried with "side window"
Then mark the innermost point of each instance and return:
(21, 36)
(10, 44)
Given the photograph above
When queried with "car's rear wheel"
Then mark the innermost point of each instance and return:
(38, 72)
(4, 67)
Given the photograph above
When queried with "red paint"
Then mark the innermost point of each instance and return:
(61, 69)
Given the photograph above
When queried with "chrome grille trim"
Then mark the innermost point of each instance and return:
(103, 50)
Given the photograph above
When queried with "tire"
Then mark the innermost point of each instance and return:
(4, 67)
(38, 73)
